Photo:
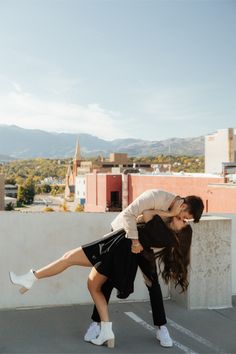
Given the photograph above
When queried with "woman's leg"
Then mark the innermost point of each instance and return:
(70, 258)
(106, 289)
(95, 282)
(73, 257)
(106, 335)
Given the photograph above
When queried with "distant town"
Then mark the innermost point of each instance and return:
(101, 184)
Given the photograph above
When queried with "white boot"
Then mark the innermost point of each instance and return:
(26, 281)
(106, 335)
(92, 332)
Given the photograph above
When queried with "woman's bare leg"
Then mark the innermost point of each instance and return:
(95, 282)
(70, 258)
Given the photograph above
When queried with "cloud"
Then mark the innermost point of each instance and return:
(28, 111)
(17, 87)
(176, 104)
(166, 105)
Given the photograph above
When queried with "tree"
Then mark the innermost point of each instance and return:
(38, 189)
(20, 195)
(46, 188)
(54, 190)
(26, 192)
(10, 180)
(29, 193)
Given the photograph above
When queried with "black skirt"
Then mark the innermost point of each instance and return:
(112, 257)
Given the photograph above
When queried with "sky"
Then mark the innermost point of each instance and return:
(145, 69)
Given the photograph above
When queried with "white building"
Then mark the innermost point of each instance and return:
(219, 147)
(80, 189)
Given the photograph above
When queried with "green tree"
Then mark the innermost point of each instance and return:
(54, 190)
(26, 192)
(10, 180)
(46, 188)
(38, 189)
(20, 195)
(29, 192)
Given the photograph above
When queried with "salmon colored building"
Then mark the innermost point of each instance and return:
(217, 195)
(103, 192)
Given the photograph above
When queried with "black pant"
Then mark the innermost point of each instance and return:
(149, 269)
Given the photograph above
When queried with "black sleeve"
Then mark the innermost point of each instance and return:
(158, 233)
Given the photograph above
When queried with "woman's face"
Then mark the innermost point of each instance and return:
(178, 223)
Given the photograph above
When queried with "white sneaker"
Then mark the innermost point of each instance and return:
(92, 332)
(164, 337)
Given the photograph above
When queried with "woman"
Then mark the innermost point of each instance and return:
(105, 255)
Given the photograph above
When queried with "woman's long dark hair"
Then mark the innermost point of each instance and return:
(174, 261)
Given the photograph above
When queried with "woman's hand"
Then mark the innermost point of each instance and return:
(140, 219)
(148, 214)
(136, 246)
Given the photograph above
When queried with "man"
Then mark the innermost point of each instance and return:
(165, 205)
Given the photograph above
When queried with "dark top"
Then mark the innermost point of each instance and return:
(112, 256)
(155, 233)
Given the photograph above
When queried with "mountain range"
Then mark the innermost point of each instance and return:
(20, 143)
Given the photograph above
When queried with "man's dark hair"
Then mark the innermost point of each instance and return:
(195, 206)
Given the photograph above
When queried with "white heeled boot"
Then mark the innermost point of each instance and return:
(26, 281)
(92, 332)
(106, 335)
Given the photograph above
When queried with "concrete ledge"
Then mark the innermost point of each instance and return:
(35, 239)
(210, 273)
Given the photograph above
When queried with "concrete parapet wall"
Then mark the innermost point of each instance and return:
(31, 240)
(233, 248)
(210, 282)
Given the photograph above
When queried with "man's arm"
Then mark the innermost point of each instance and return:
(130, 214)
(148, 200)
(143, 202)
(175, 210)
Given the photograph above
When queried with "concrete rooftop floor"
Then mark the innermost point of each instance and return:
(61, 330)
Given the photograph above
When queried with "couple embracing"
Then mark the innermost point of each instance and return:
(152, 233)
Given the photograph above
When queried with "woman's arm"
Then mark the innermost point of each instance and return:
(148, 214)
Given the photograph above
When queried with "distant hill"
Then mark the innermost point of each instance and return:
(22, 143)
(5, 158)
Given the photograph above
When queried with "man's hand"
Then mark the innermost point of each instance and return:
(136, 246)
(177, 207)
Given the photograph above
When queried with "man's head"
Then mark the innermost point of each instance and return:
(192, 208)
